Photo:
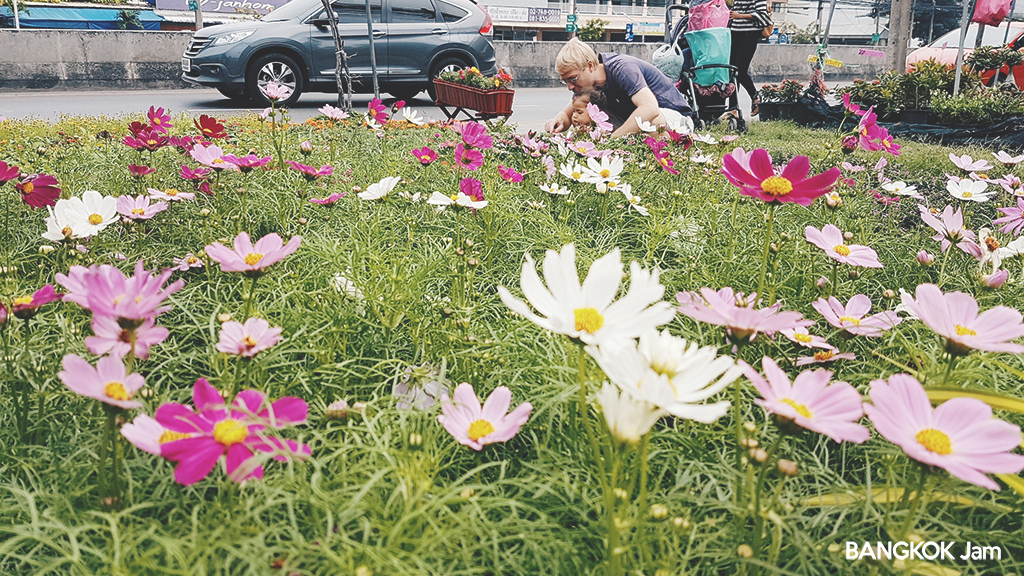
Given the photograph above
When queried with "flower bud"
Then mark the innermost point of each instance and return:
(41, 150)
(659, 511)
(994, 280)
(303, 221)
(853, 274)
(848, 236)
(46, 249)
(744, 551)
(833, 201)
(759, 455)
(204, 212)
(821, 283)
(415, 440)
(602, 188)
(773, 248)
(925, 258)
(337, 410)
(784, 237)
(359, 407)
(621, 494)
(788, 467)
(850, 144)
(467, 493)
(223, 317)
(364, 570)
(749, 426)
(889, 294)
(681, 523)
(306, 147)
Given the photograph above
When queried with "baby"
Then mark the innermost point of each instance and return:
(580, 115)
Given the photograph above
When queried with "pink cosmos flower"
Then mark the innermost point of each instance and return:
(968, 164)
(473, 188)
(138, 171)
(830, 239)
(825, 357)
(960, 435)
(868, 131)
(159, 120)
(1011, 184)
(1013, 220)
(328, 201)
(850, 106)
(252, 259)
(886, 142)
(851, 318)
(811, 401)
(26, 307)
(215, 430)
(108, 382)
(187, 263)
(790, 185)
(1007, 160)
(549, 167)
(107, 292)
(212, 156)
(950, 228)
(247, 339)
(468, 158)
(8, 172)
(584, 148)
(737, 314)
(852, 168)
(247, 163)
(925, 258)
(425, 155)
(377, 111)
(310, 173)
(474, 426)
(334, 113)
(802, 337)
(474, 134)
(274, 91)
(139, 208)
(954, 316)
(190, 174)
(996, 279)
(38, 190)
(599, 118)
(509, 174)
(146, 434)
(111, 338)
(147, 139)
(171, 194)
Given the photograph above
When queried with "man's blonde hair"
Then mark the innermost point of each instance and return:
(575, 55)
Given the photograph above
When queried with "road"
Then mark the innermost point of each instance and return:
(531, 107)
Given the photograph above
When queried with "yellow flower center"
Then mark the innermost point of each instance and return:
(479, 429)
(27, 188)
(253, 258)
(964, 331)
(95, 219)
(577, 175)
(805, 338)
(23, 301)
(138, 211)
(664, 367)
(217, 161)
(192, 260)
(800, 408)
(171, 436)
(66, 231)
(824, 355)
(229, 432)
(967, 194)
(588, 320)
(249, 342)
(934, 441)
(116, 391)
(606, 173)
(151, 142)
(842, 250)
(582, 149)
(157, 121)
(776, 186)
(172, 192)
(850, 319)
(425, 158)
(664, 161)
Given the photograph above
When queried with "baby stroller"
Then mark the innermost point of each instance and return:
(706, 78)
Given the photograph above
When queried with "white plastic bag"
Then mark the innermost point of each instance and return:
(669, 59)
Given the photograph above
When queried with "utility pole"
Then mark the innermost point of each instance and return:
(931, 25)
(373, 53)
(572, 11)
(899, 34)
(965, 21)
(17, 23)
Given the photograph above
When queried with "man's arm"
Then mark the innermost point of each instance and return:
(646, 108)
(561, 120)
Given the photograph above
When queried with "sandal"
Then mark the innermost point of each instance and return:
(755, 107)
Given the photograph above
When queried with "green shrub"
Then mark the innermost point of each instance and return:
(978, 106)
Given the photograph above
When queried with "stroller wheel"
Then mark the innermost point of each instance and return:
(737, 125)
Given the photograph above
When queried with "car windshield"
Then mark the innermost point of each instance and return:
(293, 9)
(993, 37)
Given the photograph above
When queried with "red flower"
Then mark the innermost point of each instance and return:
(137, 127)
(26, 307)
(211, 127)
(38, 190)
(8, 173)
(138, 171)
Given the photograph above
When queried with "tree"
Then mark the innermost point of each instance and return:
(593, 30)
(943, 14)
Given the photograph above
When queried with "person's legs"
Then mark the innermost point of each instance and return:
(744, 44)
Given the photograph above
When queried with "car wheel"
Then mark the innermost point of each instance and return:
(446, 64)
(276, 68)
(232, 94)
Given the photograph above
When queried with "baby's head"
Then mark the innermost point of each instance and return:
(580, 116)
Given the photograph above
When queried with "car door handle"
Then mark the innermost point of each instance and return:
(379, 33)
(439, 31)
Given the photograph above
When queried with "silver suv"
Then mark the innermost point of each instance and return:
(414, 41)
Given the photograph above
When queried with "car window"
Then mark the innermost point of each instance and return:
(354, 11)
(412, 11)
(993, 37)
(451, 13)
(293, 9)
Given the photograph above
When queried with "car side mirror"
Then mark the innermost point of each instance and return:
(320, 22)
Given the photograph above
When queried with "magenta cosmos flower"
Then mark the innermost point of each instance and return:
(249, 258)
(737, 313)
(474, 134)
(960, 435)
(238, 431)
(190, 174)
(1013, 221)
(950, 228)
(111, 338)
(247, 163)
(377, 111)
(791, 185)
(26, 307)
(158, 119)
(138, 171)
(108, 382)
(38, 190)
(247, 339)
(425, 155)
(8, 172)
(811, 401)
(474, 426)
(852, 317)
(139, 208)
(467, 158)
(954, 316)
(310, 173)
(328, 201)
(509, 174)
(830, 239)
(147, 139)
(106, 291)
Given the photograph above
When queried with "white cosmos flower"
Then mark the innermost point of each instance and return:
(633, 201)
(590, 312)
(554, 189)
(347, 287)
(628, 419)
(973, 190)
(58, 225)
(705, 138)
(412, 117)
(413, 197)
(703, 159)
(571, 170)
(604, 171)
(901, 188)
(679, 124)
(669, 373)
(535, 205)
(90, 214)
(644, 126)
(460, 199)
(378, 190)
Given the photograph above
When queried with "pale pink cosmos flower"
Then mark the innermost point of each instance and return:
(737, 313)
(811, 401)
(825, 357)
(106, 291)
(249, 258)
(139, 208)
(1007, 160)
(146, 434)
(187, 263)
(852, 317)
(802, 337)
(954, 316)
(247, 339)
(333, 113)
(274, 91)
(968, 164)
(599, 118)
(995, 280)
(111, 338)
(171, 194)
(108, 382)
(950, 228)
(830, 239)
(212, 156)
(476, 427)
(1013, 221)
(1011, 184)
(960, 435)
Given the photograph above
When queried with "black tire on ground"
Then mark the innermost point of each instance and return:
(276, 68)
(232, 94)
(445, 64)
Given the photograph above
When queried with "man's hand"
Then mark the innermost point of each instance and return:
(557, 124)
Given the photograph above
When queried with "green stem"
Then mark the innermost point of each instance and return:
(767, 244)
(614, 561)
(758, 516)
(835, 278)
(105, 442)
(25, 385)
(732, 228)
(919, 497)
(949, 369)
(942, 270)
(247, 307)
(642, 499)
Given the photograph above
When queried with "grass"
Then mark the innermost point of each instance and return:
(371, 497)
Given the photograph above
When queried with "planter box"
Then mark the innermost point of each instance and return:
(914, 116)
(778, 110)
(492, 102)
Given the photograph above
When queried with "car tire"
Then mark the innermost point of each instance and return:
(273, 68)
(444, 64)
(232, 94)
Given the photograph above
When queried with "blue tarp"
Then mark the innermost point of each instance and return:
(78, 18)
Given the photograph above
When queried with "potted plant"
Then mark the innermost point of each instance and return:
(468, 88)
(779, 101)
